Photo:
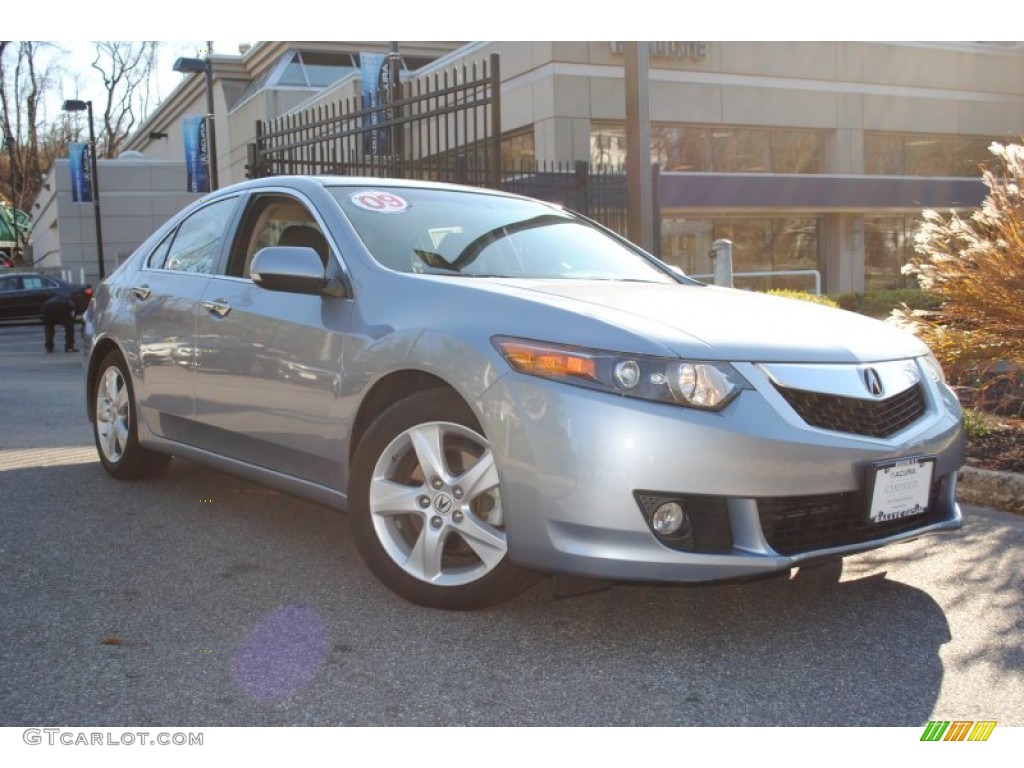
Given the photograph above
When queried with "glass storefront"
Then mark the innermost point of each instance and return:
(888, 245)
(715, 149)
(518, 152)
(760, 244)
(911, 154)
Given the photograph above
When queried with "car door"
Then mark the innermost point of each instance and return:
(268, 372)
(165, 296)
(36, 289)
(22, 296)
(10, 297)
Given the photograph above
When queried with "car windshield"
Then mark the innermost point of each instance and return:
(479, 235)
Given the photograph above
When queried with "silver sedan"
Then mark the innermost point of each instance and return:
(494, 388)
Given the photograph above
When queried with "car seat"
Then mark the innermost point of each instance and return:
(300, 235)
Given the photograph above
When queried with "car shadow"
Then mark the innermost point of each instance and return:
(806, 651)
(235, 604)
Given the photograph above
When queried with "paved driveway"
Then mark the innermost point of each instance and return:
(202, 599)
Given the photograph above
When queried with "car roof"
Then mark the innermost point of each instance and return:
(300, 181)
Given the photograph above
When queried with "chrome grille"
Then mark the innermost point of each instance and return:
(873, 418)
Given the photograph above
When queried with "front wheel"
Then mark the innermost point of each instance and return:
(115, 428)
(427, 515)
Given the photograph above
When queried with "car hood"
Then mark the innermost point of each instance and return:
(726, 324)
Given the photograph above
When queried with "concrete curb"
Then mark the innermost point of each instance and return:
(1003, 490)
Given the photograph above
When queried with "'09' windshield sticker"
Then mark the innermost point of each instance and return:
(379, 202)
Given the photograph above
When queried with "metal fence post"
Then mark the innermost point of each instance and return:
(656, 210)
(721, 260)
(581, 193)
(494, 176)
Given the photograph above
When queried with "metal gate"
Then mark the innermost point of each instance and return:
(443, 126)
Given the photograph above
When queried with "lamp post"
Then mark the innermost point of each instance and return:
(639, 191)
(75, 105)
(185, 64)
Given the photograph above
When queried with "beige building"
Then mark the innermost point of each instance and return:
(137, 195)
(808, 156)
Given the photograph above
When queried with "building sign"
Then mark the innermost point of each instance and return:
(197, 154)
(663, 49)
(375, 74)
(81, 172)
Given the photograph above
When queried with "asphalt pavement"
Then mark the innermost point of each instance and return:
(199, 599)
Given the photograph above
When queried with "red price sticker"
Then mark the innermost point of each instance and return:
(379, 202)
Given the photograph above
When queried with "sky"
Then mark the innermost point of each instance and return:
(65, 21)
(78, 80)
(528, 20)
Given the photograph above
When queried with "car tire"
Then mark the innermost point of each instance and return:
(114, 424)
(425, 506)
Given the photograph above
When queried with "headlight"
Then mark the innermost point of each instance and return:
(695, 384)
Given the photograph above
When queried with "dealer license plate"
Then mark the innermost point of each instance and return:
(900, 489)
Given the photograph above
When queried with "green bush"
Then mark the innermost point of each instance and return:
(880, 304)
(977, 423)
(803, 296)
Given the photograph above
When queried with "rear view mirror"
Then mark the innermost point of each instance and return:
(289, 268)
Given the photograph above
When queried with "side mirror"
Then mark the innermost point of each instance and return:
(293, 269)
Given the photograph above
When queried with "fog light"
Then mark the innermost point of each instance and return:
(668, 518)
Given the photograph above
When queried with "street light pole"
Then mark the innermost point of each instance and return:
(185, 64)
(210, 118)
(75, 105)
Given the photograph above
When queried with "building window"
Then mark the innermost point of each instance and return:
(518, 152)
(768, 244)
(716, 149)
(318, 69)
(888, 245)
(913, 154)
(608, 145)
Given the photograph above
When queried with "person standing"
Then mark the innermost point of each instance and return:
(60, 309)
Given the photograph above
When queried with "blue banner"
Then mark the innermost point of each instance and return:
(81, 172)
(374, 70)
(197, 154)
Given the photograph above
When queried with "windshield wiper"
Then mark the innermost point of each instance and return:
(471, 251)
(435, 261)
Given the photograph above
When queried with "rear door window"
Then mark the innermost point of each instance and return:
(196, 244)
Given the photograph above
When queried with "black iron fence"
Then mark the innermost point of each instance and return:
(599, 193)
(444, 126)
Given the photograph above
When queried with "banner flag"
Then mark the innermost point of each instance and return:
(197, 154)
(374, 72)
(81, 172)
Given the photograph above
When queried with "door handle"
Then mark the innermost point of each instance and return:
(218, 308)
(141, 292)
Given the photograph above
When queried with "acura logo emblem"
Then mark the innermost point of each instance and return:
(872, 381)
(443, 503)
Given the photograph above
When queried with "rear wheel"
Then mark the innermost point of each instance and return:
(114, 425)
(427, 515)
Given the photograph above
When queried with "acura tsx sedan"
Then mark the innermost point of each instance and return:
(494, 387)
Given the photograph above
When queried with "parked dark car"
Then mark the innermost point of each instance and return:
(22, 295)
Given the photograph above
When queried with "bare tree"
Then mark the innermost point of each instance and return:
(26, 78)
(127, 69)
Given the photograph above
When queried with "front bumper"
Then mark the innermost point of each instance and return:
(572, 462)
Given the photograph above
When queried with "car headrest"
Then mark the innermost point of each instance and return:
(299, 235)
